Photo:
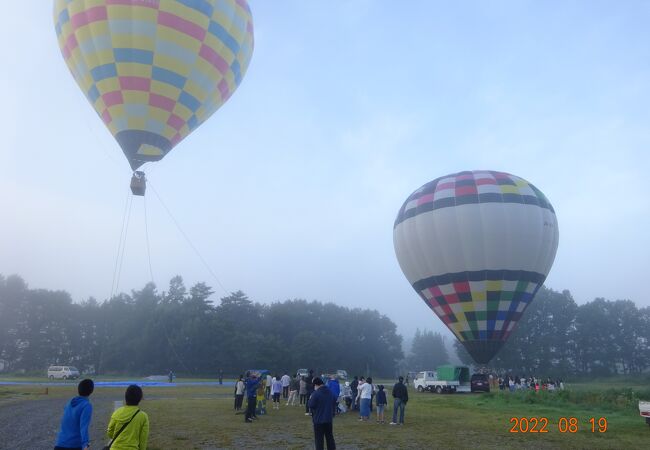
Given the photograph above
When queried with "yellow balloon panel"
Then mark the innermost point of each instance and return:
(154, 70)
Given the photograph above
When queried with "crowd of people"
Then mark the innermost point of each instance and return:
(514, 383)
(323, 398)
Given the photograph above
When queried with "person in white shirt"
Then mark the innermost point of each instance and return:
(239, 393)
(286, 381)
(276, 390)
(269, 382)
(364, 396)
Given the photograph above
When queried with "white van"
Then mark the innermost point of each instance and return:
(62, 372)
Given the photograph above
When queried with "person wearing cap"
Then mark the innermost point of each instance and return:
(322, 415)
(76, 418)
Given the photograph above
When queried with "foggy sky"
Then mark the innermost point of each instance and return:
(290, 190)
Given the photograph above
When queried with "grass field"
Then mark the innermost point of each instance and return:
(202, 418)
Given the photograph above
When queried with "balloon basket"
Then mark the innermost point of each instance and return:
(138, 183)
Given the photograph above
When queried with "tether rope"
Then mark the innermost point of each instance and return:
(146, 230)
(122, 248)
(187, 239)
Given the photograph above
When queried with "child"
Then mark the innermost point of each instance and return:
(381, 403)
(76, 418)
(129, 426)
(261, 400)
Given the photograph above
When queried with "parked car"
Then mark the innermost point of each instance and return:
(644, 410)
(62, 373)
(479, 383)
(340, 374)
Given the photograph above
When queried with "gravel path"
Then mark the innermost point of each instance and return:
(33, 424)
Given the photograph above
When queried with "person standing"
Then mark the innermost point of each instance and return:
(303, 390)
(347, 394)
(170, 376)
(309, 386)
(251, 396)
(335, 388)
(77, 415)
(260, 407)
(220, 376)
(354, 387)
(294, 386)
(269, 383)
(320, 404)
(240, 388)
(286, 381)
(129, 426)
(381, 403)
(401, 397)
(364, 396)
(276, 390)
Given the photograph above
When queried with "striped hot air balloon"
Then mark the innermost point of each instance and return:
(476, 246)
(154, 70)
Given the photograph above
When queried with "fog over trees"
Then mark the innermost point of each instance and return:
(557, 337)
(150, 332)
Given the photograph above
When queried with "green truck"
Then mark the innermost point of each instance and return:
(446, 378)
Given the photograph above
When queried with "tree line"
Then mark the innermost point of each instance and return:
(557, 337)
(147, 332)
(150, 332)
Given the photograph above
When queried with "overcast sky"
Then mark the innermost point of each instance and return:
(290, 190)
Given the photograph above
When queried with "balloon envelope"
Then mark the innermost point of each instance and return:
(476, 246)
(154, 70)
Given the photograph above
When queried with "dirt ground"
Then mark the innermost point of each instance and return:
(33, 423)
(20, 434)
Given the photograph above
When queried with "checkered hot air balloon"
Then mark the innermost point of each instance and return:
(154, 70)
(477, 246)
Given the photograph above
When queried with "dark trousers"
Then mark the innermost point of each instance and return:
(324, 430)
(307, 401)
(239, 401)
(250, 407)
(285, 391)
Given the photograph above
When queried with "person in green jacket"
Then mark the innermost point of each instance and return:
(133, 423)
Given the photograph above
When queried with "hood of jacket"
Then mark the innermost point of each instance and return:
(124, 414)
(79, 401)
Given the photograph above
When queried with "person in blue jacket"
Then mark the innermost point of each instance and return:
(322, 415)
(334, 386)
(251, 395)
(77, 415)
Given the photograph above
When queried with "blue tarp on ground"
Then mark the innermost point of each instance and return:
(141, 383)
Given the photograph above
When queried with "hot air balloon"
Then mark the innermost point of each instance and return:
(477, 246)
(154, 70)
